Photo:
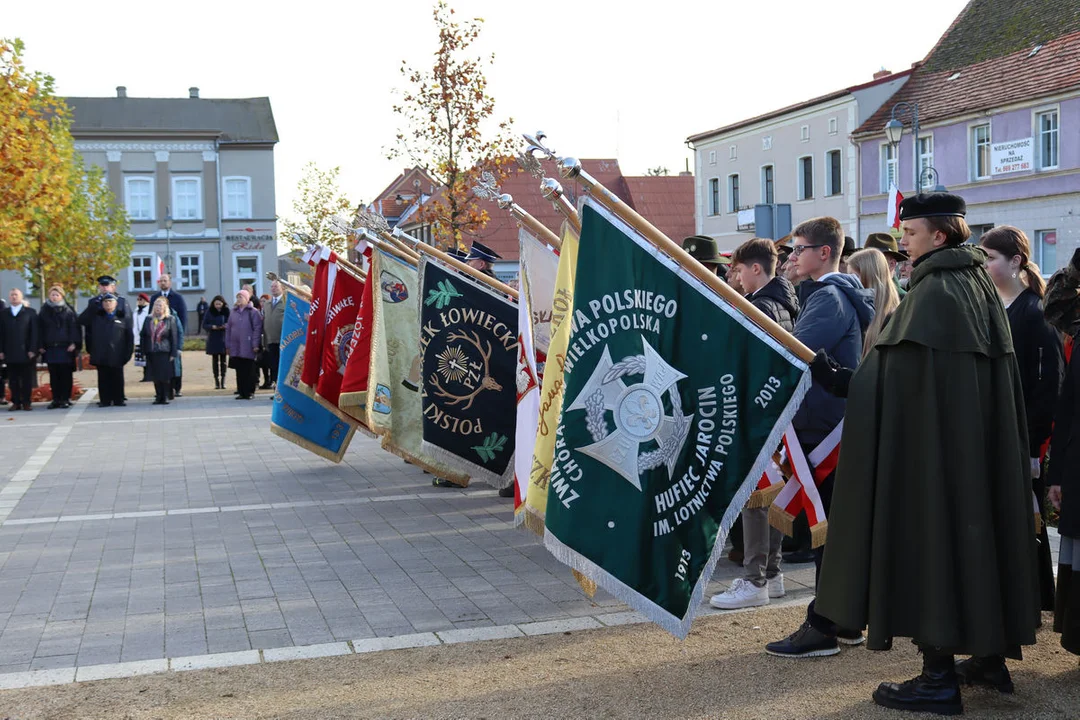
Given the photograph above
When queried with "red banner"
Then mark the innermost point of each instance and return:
(358, 369)
(325, 270)
(341, 313)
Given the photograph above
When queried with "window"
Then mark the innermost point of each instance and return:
(733, 152)
(246, 271)
(733, 193)
(712, 157)
(767, 184)
(1046, 251)
(980, 151)
(140, 273)
(804, 133)
(187, 198)
(190, 265)
(833, 184)
(832, 126)
(926, 155)
(1048, 140)
(766, 142)
(806, 178)
(237, 197)
(714, 196)
(889, 167)
(139, 197)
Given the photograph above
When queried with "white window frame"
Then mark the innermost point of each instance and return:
(884, 164)
(800, 189)
(918, 155)
(236, 256)
(733, 201)
(804, 133)
(1038, 133)
(712, 157)
(225, 197)
(176, 179)
(149, 269)
(179, 272)
(128, 180)
(828, 172)
(733, 152)
(762, 185)
(833, 125)
(714, 196)
(766, 142)
(1040, 258)
(973, 149)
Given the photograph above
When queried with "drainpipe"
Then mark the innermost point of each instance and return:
(221, 229)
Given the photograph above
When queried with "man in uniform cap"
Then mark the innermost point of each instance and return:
(886, 243)
(106, 286)
(482, 258)
(931, 531)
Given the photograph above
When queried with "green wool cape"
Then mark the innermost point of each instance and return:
(931, 530)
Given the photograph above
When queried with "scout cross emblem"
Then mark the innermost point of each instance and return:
(638, 411)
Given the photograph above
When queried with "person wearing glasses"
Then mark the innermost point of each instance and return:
(835, 314)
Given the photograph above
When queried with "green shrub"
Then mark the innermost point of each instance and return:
(195, 343)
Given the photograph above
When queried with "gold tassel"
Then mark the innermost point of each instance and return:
(533, 522)
(1038, 523)
(589, 586)
(817, 534)
(764, 497)
(459, 479)
(782, 520)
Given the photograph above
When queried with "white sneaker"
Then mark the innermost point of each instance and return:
(776, 586)
(741, 594)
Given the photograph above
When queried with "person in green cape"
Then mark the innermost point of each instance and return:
(931, 531)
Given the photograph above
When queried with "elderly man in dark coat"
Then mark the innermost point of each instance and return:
(111, 343)
(18, 348)
(931, 532)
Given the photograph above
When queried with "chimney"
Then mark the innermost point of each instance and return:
(193, 92)
(121, 91)
(882, 73)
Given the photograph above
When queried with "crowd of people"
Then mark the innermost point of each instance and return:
(946, 362)
(245, 337)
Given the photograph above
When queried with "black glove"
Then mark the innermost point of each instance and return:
(830, 374)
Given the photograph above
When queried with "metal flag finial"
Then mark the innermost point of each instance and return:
(372, 221)
(551, 189)
(536, 145)
(505, 201)
(569, 167)
(340, 225)
(487, 188)
(530, 164)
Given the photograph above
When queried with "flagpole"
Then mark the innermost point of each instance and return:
(456, 264)
(552, 190)
(486, 189)
(570, 168)
(381, 241)
(273, 277)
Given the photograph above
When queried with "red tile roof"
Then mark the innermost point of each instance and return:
(997, 82)
(666, 202)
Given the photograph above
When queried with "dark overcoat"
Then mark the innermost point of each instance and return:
(1064, 465)
(161, 355)
(110, 339)
(19, 335)
(59, 330)
(931, 530)
(215, 339)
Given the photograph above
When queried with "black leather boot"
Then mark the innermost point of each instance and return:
(936, 690)
(988, 671)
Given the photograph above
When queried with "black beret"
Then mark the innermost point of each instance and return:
(936, 204)
(106, 280)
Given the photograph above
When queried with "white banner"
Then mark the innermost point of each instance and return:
(1012, 156)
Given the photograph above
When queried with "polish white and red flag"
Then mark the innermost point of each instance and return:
(895, 198)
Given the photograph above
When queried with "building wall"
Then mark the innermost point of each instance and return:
(787, 146)
(1031, 200)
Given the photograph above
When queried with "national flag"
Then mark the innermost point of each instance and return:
(341, 311)
(800, 494)
(394, 411)
(469, 344)
(295, 416)
(531, 514)
(158, 271)
(674, 403)
(325, 262)
(895, 198)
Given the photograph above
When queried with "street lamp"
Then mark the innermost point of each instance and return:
(894, 131)
(931, 178)
(168, 239)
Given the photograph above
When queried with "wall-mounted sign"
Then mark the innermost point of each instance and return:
(249, 238)
(1012, 156)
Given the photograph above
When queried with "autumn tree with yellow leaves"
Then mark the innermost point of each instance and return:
(451, 129)
(59, 221)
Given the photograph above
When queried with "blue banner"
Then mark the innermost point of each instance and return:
(296, 416)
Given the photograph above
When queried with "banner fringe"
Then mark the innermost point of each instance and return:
(443, 472)
(312, 447)
(817, 534)
(680, 627)
(764, 497)
(782, 520)
(587, 585)
(530, 521)
(476, 472)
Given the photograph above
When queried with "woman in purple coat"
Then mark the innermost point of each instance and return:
(243, 338)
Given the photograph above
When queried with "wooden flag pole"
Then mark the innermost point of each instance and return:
(456, 264)
(571, 168)
(273, 276)
(408, 251)
(506, 202)
(381, 241)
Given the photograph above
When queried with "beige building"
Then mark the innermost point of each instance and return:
(762, 176)
(197, 178)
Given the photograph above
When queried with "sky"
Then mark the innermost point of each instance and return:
(602, 79)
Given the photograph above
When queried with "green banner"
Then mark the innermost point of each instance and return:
(674, 402)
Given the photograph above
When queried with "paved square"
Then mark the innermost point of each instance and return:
(190, 532)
